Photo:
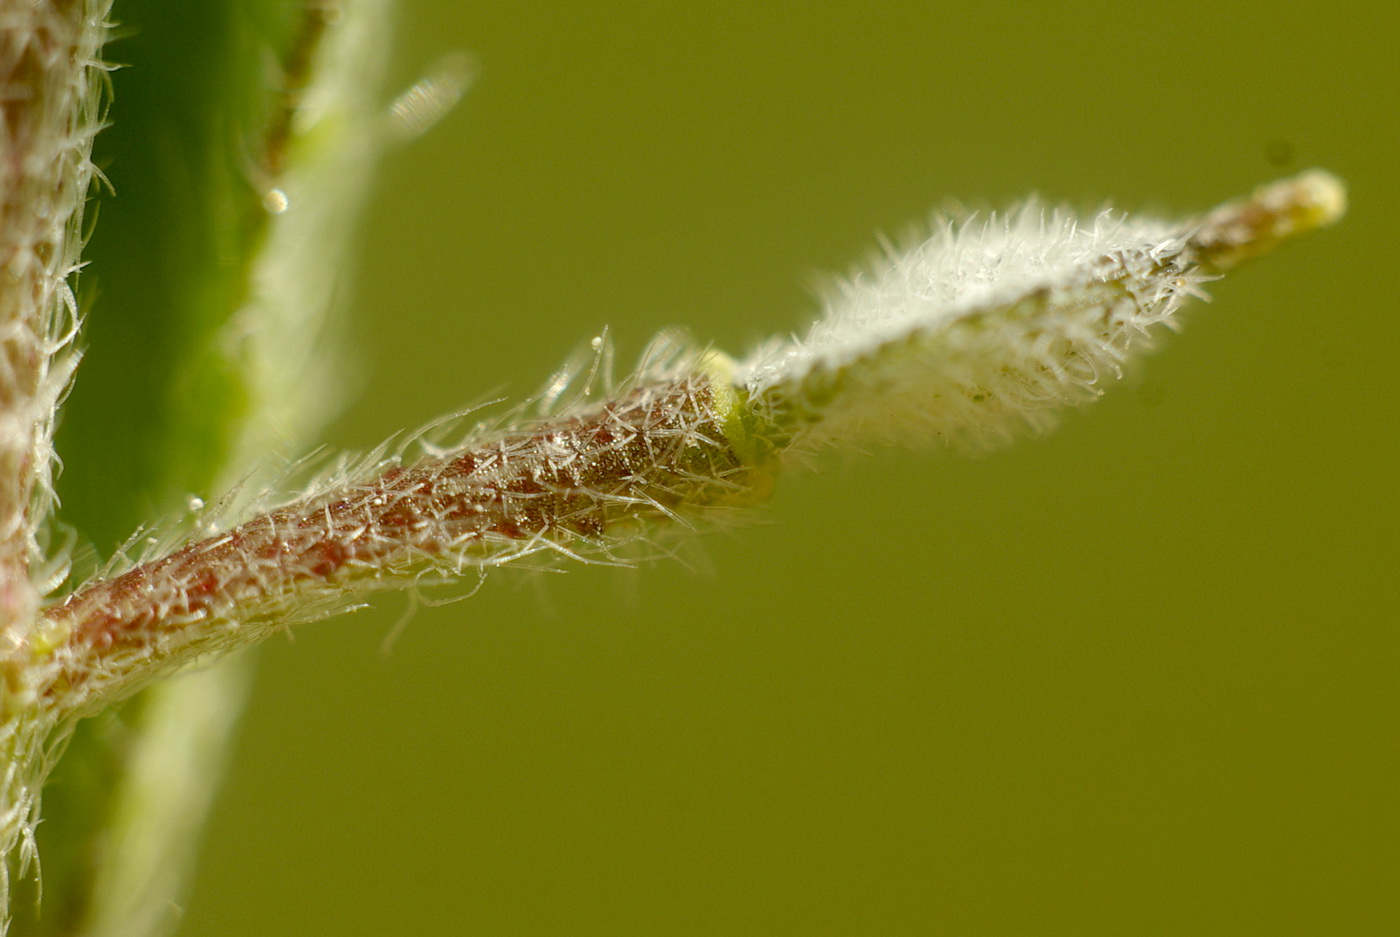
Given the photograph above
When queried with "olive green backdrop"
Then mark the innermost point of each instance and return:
(1139, 676)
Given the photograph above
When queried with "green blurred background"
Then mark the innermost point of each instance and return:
(1139, 676)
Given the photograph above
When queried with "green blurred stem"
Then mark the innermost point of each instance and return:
(241, 298)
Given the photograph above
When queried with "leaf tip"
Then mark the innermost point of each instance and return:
(1276, 212)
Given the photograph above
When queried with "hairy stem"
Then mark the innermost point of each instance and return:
(51, 84)
(50, 99)
(579, 485)
(697, 433)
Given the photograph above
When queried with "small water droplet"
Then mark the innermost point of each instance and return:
(195, 504)
(596, 343)
(275, 201)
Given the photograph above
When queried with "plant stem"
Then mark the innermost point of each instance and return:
(51, 83)
(581, 484)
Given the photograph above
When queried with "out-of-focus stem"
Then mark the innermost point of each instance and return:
(173, 758)
(315, 155)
